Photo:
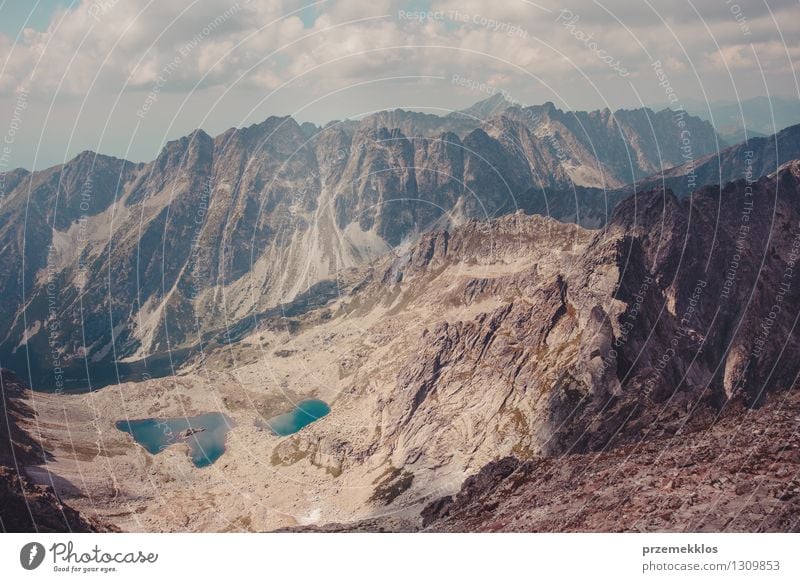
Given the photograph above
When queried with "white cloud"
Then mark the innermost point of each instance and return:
(131, 42)
(250, 49)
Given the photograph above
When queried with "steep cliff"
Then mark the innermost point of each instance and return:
(125, 268)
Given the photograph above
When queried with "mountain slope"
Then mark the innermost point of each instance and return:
(24, 506)
(521, 336)
(126, 268)
(528, 337)
(736, 473)
(752, 159)
(739, 474)
(592, 207)
(579, 344)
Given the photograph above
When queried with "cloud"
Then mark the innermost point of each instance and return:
(108, 45)
(297, 52)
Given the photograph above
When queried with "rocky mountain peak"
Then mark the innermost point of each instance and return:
(487, 108)
(789, 172)
(224, 227)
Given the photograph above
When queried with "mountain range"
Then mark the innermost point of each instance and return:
(408, 276)
(135, 260)
(743, 119)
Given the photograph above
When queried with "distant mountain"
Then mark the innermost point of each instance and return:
(592, 207)
(752, 159)
(115, 262)
(749, 118)
(739, 135)
(494, 105)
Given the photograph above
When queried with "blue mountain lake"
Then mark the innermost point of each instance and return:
(205, 435)
(306, 412)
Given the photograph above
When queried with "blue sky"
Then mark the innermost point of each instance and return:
(35, 14)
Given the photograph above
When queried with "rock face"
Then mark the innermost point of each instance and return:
(111, 261)
(520, 337)
(581, 341)
(592, 207)
(736, 475)
(599, 337)
(185, 434)
(390, 256)
(641, 377)
(24, 506)
(759, 156)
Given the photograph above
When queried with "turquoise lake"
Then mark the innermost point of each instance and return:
(205, 446)
(306, 412)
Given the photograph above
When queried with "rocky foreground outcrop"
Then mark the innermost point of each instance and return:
(529, 338)
(737, 473)
(25, 506)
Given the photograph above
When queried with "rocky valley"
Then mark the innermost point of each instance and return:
(401, 270)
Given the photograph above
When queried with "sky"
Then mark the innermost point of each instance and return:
(122, 77)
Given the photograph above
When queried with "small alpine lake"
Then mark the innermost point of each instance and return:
(304, 413)
(205, 434)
